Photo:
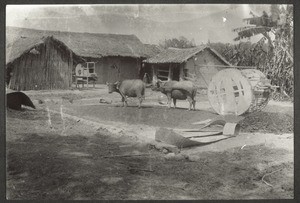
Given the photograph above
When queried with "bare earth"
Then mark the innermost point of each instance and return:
(73, 147)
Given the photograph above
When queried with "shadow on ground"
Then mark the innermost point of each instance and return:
(49, 166)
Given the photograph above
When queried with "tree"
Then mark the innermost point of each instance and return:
(242, 54)
(181, 42)
(277, 59)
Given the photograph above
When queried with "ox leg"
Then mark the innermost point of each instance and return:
(143, 94)
(194, 104)
(169, 100)
(141, 97)
(124, 101)
(141, 100)
(174, 102)
(190, 101)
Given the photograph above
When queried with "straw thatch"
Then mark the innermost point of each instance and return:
(20, 40)
(22, 45)
(176, 55)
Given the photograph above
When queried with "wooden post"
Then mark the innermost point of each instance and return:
(154, 75)
(70, 67)
(181, 74)
(170, 73)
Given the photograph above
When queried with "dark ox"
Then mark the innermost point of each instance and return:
(178, 90)
(128, 88)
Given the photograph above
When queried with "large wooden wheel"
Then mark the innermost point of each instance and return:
(232, 91)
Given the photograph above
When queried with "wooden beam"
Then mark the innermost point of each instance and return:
(224, 66)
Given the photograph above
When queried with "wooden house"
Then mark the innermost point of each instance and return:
(38, 59)
(197, 63)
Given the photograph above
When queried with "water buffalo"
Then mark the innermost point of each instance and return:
(178, 90)
(128, 88)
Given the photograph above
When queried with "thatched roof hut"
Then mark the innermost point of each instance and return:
(177, 55)
(198, 64)
(116, 57)
(92, 45)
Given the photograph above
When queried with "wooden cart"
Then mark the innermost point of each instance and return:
(237, 92)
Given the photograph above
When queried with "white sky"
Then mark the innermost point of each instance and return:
(156, 12)
(61, 17)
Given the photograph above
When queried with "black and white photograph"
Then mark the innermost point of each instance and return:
(149, 101)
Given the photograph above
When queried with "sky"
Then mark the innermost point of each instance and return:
(164, 15)
(155, 12)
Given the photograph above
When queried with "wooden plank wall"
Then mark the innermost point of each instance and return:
(128, 68)
(50, 69)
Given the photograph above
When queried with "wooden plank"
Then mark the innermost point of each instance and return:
(230, 105)
(176, 139)
(209, 140)
(163, 71)
(173, 138)
(162, 76)
(198, 134)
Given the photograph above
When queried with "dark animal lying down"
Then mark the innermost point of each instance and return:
(15, 100)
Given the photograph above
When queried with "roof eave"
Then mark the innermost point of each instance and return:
(220, 57)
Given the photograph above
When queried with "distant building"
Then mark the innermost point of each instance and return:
(197, 63)
(37, 59)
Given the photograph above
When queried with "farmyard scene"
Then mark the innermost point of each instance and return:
(149, 102)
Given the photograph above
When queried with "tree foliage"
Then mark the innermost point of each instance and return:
(181, 42)
(273, 54)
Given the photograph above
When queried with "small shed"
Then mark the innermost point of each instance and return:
(197, 63)
(39, 63)
(41, 59)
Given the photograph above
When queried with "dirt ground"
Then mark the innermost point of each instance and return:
(73, 147)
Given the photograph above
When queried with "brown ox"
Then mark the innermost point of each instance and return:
(178, 90)
(128, 88)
